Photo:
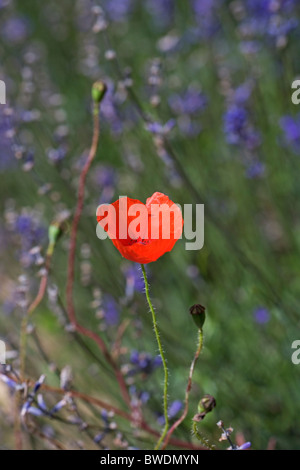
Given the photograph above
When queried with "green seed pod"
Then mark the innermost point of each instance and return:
(198, 313)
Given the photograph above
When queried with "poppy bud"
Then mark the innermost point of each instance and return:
(206, 404)
(98, 91)
(54, 232)
(198, 313)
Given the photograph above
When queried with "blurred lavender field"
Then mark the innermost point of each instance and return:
(198, 106)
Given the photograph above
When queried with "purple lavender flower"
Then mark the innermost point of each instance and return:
(111, 310)
(143, 363)
(291, 128)
(118, 10)
(134, 280)
(58, 406)
(38, 383)
(105, 175)
(261, 315)
(162, 11)
(190, 102)
(244, 446)
(55, 155)
(249, 47)
(41, 402)
(8, 306)
(7, 133)
(281, 28)
(110, 111)
(255, 170)
(104, 416)
(205, 13)
(238, 129)
(30, 231)
(11, 383)
(269, 19)
(105, 178)
(4, 3)
(143, 396)
(99, 437)
(259, 8)
(174, 408)
(235, 123)
(15, 30)
(34, 411)
(243, 93)
(161, 129)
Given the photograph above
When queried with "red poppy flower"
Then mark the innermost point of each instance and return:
(142, 232)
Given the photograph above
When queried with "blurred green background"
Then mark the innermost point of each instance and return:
(246, 275)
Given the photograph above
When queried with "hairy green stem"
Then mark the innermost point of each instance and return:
(166, 427)
(187, 391)
(200, 438)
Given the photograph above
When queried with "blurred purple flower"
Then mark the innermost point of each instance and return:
(8, 306)
(99, 437)
(205, 13)
(34, 411)
(134, 280)
(235, 123)
(15, 29)
(38, 383)
(261, 315)
(143, 396)
(244, 446)
(143, 363)
(243, 93)
(111, 310)
(161, 129)
(30, 230)
(249, 47)
(269, 18)
(238, 129)
(162, 11)
(105, 175)
(7, 133)
(110, 111)
(174, 408)
(58, 406)
(190, 102)
(11, 383)
(55, 155)
(4, 3)
(255, 170)
(291, 128)
(105, 179)
(118, 10)
(41, 402)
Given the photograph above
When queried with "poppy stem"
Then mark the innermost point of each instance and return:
(154, 321)
(187, 391)
(98, 92)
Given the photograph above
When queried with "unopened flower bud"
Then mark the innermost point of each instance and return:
(98, 91)
(206, 404)
(198, 313)
(54, 233)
